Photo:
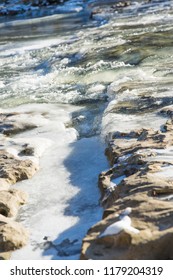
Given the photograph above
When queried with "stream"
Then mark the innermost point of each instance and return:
(83, 76)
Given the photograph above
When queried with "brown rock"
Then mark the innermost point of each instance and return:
(168, 110)
(4, 185)
(152, 218)
(150, 232)
(12, 235)
(5, 256)
(10, 201)
(13, 170)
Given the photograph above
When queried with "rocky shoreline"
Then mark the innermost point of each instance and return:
(137, 189)
(136, 192)
(94, 9)
(15, 165)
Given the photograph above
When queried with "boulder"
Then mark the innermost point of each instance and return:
(12, 235)
(13, 169)
(10, 202)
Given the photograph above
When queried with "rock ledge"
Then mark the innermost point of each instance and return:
(141, 180)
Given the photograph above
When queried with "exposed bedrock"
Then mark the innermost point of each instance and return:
(136, 194)
(17, 162)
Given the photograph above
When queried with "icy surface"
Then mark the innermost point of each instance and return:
(63, 195)
(118, 180)
(166, 172)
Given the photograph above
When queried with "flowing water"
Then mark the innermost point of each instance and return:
(82, 76)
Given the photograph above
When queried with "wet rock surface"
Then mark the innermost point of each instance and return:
(141, 180)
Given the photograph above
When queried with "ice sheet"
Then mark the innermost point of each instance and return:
(63, 195)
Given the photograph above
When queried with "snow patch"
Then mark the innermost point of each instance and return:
(166, 172)
(123, 224)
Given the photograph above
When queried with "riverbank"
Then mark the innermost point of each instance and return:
(137, 197)
(37, 142)
(69, 84)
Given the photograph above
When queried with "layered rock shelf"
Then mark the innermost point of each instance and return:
(136, 194)
(14, 167)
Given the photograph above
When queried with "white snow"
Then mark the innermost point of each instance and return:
(63, 195)
(162, 154)
(166, 197)
(127, 211)
(124, 158)
(128, 122)
(123, 224)
(165, 172)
